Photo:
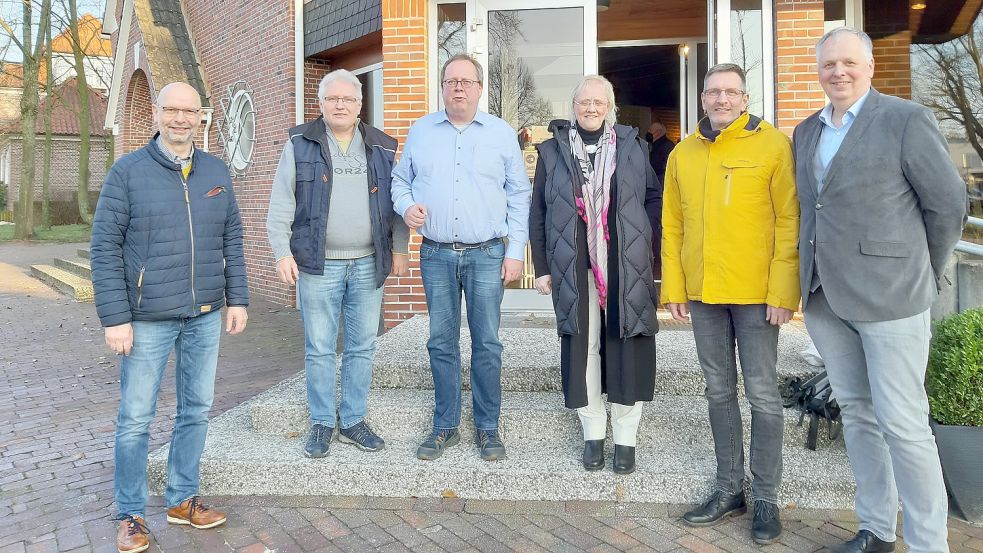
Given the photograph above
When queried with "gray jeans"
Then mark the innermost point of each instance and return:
(717, 329)
(877, 371)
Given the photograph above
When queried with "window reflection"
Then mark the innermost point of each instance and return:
(452, 35)
(746, 49)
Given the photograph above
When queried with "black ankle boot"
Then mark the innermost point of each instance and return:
(624, 459)
(594, 454)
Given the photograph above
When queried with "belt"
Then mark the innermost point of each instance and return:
(461, 246)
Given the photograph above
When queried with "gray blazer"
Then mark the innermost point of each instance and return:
(891, 210)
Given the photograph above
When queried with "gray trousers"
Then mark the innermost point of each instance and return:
(717, 329)
(877, 372)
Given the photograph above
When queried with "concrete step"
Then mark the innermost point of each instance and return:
(531, 359)
(78, 267)
(239, 461)
(80, 289)
(83, 253)
(526, 416)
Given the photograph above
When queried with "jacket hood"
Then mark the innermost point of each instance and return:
(745, 125)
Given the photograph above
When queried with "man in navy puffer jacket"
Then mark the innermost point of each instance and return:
(166, 257)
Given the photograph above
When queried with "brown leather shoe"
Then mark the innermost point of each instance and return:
(192, 511)
(131, 535)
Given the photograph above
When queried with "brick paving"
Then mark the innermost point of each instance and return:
(58, 397)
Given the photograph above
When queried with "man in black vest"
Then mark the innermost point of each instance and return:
(334, 233)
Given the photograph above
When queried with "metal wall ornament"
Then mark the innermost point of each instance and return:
(238, 128)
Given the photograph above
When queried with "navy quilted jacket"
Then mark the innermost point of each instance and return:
(164, 248)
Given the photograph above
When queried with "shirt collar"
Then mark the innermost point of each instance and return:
(480, 117)
(171, 156)
(826, 115)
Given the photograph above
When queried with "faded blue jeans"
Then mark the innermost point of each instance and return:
(348, 284)
(478, 273)
(717, 328)
(195, 344)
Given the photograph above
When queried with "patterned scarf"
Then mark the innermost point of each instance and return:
(594, 200)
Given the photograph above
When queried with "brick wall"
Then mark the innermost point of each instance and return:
(314, 71)
(892, 64)
(138, 124)
(404, 63)
(231, 48)
(64, 167)
(798, 26)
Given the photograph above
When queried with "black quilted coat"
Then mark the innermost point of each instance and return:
(556, 233)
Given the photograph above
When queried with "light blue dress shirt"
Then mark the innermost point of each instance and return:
(831, 137)
(473, 182)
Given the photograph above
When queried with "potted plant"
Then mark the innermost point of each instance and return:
(954, 383)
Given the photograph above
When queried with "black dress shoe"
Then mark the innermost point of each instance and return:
(716, 508)
(766, 527)
(594, 454)
(864, 542)
(624, 459)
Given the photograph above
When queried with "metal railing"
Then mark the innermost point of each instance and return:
(971, 247)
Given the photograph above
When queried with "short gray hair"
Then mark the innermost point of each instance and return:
(340, 75)
(612, 115)
(864, 38)
(727, 68)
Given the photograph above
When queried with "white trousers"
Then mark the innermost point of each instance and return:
(593, 417)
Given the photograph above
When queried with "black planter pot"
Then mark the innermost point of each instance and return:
(961, 451)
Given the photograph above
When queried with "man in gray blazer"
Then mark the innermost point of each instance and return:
(882, 208)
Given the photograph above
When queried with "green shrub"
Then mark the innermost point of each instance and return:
(954, 380)
(3, 196)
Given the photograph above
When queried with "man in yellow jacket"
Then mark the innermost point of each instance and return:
(730, 227)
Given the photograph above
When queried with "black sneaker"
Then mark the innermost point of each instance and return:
(362, 436)
(766, 527)
(319, 441)
(719, 506)
(490, 445)
(433, 447)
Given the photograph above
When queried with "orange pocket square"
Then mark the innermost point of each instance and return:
(215, 191)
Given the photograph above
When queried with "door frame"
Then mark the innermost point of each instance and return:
(718, 33)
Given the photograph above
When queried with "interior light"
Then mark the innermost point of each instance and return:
(603, 5)
(918, 6)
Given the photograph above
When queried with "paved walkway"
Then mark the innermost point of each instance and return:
(58, 397)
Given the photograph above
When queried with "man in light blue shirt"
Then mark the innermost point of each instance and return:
(462, 184)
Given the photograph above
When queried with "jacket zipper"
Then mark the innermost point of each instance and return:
(373, 199)
(140, 286)
(191, 228)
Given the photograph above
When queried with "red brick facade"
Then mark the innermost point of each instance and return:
(64, 167)
(798, 26)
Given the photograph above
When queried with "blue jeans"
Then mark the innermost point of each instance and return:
(347, 286)
(195, 343)
(478, 273)
(717, 329)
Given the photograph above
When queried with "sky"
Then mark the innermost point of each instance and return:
(12, 13)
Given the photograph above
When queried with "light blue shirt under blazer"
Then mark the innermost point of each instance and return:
(832, 137)
(473, 182)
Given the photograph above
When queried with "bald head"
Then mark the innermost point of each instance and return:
(179, 92)
(177, 114)
(657, 129)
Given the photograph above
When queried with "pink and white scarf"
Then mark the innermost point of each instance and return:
(595, 198)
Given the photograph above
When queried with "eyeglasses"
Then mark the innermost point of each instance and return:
(464, 83)
(172, 112)
(589, 103)
(732, 93)
(346, 100)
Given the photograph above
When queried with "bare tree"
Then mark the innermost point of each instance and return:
(30, 49)
(951, 83)
(48, 107)
(512, 93)
(85, 114)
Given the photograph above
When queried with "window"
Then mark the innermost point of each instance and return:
(372, 109)
(240, 130)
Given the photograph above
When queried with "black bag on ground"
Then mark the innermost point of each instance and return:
(813, 398)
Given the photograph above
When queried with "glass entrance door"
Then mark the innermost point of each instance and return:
(533, 53)
(741, 32)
